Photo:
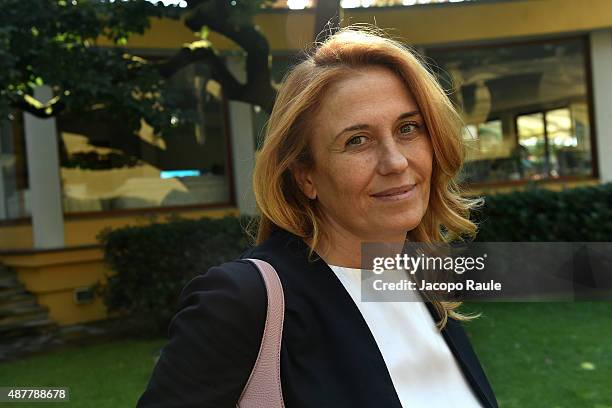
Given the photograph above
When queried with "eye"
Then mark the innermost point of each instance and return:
(354, 141)
(409, 128)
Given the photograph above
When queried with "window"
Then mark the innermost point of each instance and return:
(105, 168)
(554, 142)
(525, 107)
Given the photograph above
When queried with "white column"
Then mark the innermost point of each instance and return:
(243, 144)
(44, 177)
(601, 62)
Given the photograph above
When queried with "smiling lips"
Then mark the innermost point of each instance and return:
(397, 191)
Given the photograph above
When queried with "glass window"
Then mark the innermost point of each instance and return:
(104, 167)
(14, 188)
(532, 145)
(569, 144)
(525, 107)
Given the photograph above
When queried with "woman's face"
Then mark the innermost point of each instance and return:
(372, 158)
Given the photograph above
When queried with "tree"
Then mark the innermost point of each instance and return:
(55, 43)
(328, 16)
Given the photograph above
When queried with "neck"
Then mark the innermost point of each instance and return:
(342, 248)
(340, 251)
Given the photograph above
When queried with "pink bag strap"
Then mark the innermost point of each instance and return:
(263, 388)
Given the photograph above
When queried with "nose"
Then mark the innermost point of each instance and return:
(390, 158)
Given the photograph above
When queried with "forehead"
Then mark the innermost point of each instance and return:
(372, 95)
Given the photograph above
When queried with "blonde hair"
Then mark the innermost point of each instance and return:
(280, 201)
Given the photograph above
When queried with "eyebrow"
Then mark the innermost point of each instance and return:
(366, 126)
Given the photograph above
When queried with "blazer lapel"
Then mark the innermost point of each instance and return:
(360, 343)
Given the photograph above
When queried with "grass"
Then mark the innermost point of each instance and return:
(108, 375)
(544, 355)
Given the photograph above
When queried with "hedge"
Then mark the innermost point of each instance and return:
(582, 214)
(153, 263)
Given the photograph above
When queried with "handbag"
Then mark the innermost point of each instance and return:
(263, 388)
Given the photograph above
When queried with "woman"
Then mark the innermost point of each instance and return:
(362, 145)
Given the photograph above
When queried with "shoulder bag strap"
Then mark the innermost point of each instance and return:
(263, 388)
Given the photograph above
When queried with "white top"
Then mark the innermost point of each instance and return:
(422, 367)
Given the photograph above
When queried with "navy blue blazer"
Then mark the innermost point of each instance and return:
(329, 357)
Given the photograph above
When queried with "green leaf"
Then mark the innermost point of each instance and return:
(203, 33)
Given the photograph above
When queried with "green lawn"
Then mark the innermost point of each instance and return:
(109, 375)
(546, 354)
(535, 354)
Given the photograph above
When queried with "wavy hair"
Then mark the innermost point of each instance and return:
(280, 201)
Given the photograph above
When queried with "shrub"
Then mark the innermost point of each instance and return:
(582, 214)
(153, 263)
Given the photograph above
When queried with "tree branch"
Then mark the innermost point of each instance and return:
(201, 51)
(217, 15)
(41, 110)
(328, 16)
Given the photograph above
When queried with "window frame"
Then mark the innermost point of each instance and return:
(231, 202)
(588, 98)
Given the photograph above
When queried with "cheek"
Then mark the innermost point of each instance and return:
(425, 160)
(423, 165)
(348, 177)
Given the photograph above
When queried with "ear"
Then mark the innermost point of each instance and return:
(303, 178)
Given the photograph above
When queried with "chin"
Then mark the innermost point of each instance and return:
(401, 227)
(390, 233)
